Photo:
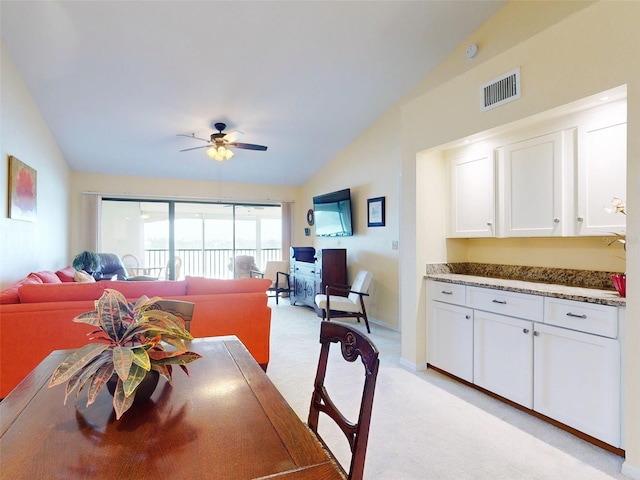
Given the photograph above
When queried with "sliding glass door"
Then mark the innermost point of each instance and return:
(169, 240)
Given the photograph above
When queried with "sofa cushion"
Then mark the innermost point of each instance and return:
(60, 292)
(10, 294)
(47, 276)
(66, 274)
(134, 290)
(204, 286)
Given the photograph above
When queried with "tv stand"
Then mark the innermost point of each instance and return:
(312, 271)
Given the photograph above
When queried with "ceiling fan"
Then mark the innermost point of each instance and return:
(220, 144)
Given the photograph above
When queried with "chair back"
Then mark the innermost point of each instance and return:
(273, 267)
(177, 267)
(243, 266)
(353, 345)
(131, 263)
(179, 308)
(360, 284)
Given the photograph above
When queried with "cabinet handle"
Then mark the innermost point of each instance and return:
(489, 223)
(580, 219)
(501, 302)
(525, 330)
(445, 292)
(468, 317)
(569, 314)
(556, 220)
(536, 334)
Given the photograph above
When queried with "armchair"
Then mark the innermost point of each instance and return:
(278, 273)
(335, 304)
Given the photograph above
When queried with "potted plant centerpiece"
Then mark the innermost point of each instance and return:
(129, 346)
(619, 279)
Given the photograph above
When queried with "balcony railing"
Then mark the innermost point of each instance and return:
(209, 263)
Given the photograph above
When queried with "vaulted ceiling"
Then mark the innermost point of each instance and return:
(116, 81)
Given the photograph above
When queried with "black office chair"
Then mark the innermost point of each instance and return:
(353, 345)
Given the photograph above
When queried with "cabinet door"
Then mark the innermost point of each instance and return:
(503, 356)
(472, 197)
(531, 187)
(602, 174)
(450, 339)
(577, 381)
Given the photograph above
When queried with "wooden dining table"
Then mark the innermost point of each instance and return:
(226, 420)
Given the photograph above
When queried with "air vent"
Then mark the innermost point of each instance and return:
(501, 90)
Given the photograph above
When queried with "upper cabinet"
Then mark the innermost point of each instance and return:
(530, 186)
(553, 179)
(472, 196)
(601, 171)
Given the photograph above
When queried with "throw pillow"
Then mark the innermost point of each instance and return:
(66, 274)
(47, 276)
(10, 294)
(83, 277)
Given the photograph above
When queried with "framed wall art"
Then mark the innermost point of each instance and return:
(375, 212)
(22, 191)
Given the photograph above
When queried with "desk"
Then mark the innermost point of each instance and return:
(146, 270)
(226, 421)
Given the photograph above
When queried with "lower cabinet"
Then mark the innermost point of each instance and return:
(450, 345)
(577, 381)
(503, 356)
(539, 361)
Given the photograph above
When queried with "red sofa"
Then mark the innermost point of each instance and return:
(38, 320)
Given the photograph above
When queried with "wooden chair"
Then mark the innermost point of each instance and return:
(131, 263)
(335, 303)
(179, 308)
(278, 273)
(353, 345)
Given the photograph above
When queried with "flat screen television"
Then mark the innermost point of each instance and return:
(332, 214)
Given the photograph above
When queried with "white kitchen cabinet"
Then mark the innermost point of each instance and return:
(503, 356)
(561, 358)
(531, 186)
(577, 381)
(601, 172)
(472, 198)
(450, 339)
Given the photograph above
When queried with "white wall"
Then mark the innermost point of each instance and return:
(591, 50)
(40, 245)
(370, 167)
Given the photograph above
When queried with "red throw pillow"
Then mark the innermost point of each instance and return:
(66, 274)
(47, 276)
(204, 286)
(10, 294)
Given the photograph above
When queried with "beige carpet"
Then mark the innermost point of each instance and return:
(425, 425)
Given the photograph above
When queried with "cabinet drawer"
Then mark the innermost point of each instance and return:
(521, 305)
(581, 316)
(448, 292)
(308, 269)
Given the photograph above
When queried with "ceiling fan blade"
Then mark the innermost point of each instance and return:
(232, 136)
(192, 136)
(194, 148)
(248, 146)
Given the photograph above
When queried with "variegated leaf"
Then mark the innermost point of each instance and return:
(102, 376)
(122, 360)
(121, 403)
(136, 375)
(75, 362)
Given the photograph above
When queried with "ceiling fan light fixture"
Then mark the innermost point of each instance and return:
(219, 153)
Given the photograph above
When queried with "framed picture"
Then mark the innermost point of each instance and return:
(22, 191)
(375, 212)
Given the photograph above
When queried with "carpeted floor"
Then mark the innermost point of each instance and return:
(425, 425)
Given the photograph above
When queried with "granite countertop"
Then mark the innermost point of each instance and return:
(549, 289)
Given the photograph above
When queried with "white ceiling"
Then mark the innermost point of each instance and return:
(116, 81)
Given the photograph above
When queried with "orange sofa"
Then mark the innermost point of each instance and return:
(41, 320)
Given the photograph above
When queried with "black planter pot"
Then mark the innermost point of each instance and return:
(144, 390)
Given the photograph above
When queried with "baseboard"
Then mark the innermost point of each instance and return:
(630, 471)
(413, 367)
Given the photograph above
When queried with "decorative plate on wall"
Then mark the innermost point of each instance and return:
(310, 216)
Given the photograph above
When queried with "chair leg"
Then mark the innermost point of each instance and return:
(364, 315)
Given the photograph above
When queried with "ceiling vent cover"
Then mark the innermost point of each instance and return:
(501, 90)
